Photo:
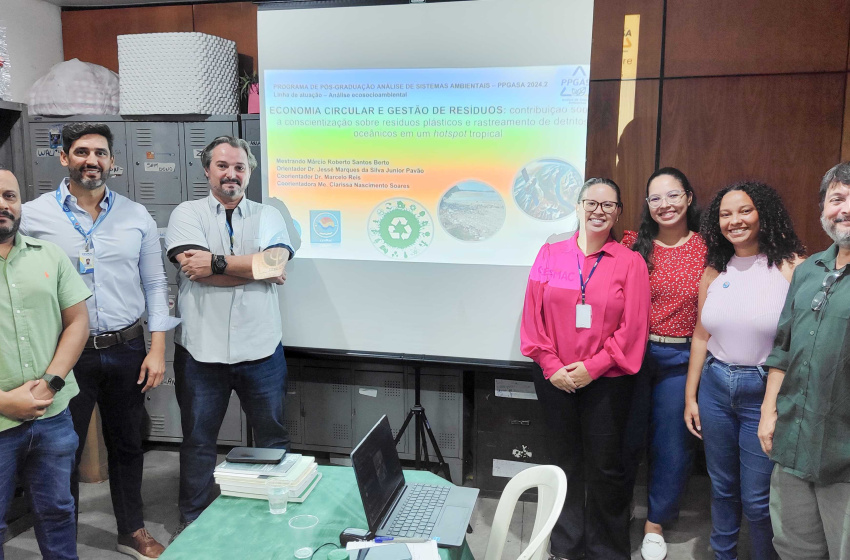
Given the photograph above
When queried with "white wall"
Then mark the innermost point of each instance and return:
(34, 38)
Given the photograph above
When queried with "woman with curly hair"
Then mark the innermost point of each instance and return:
(669, 242)
(752, 252)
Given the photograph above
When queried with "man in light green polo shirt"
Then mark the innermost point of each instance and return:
(44, 325)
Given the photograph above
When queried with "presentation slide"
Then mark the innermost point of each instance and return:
(441, 165)
(423, 152)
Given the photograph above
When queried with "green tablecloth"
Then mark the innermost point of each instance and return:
(237, 528)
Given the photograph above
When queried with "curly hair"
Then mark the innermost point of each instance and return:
(776, 235)
(648, 230)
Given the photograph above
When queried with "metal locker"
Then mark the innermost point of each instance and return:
(15, 146)
(163, 411)
(157, 163)
(196, 136)
(326, 393)
(160, 214)
(251, 134)
(377, 391)
(46, 143)
(292, 405)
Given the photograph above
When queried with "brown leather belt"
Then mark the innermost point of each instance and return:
(105, 340)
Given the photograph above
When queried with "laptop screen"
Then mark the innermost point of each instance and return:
(378, 471)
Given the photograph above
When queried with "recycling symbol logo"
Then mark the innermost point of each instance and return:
(400, 228)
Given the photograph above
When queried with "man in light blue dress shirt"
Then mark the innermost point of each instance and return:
(114, 245)
(232, 253)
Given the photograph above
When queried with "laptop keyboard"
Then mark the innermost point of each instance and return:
(420, 511)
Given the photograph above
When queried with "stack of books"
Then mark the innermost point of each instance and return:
(248, 480)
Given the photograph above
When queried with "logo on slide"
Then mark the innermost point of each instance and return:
(400, 228)
(325, 226)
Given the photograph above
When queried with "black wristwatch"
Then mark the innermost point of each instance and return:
(54, 382)
(219, 264)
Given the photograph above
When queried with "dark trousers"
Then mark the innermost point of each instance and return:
(41, 454)
(656, 413)
(586, 431)
(203, 393)
(109, 378)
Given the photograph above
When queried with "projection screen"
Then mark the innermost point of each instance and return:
(424, 152)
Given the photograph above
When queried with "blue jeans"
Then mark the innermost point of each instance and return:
(658, 403)
(203, 393)
(730, 400)
(41, 454)
(108, 377)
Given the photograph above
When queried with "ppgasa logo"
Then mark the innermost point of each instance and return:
(325, 226)
(575, 86)
(400, 228)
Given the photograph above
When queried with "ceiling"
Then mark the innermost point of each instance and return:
(114, 3)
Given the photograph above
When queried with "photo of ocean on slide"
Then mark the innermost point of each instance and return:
(472, 211)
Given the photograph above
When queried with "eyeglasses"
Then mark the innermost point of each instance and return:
(673, 197)
(820, 297)
(608, 207)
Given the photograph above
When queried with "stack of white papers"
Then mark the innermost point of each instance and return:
(248, 480)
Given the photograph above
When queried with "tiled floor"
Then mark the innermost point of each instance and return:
(687, 540)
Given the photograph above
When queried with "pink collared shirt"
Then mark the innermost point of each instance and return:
(618, 293)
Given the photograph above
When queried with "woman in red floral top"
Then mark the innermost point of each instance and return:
(675, 255)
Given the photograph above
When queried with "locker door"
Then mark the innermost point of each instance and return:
(196, 136)
(157, 166)
(45, 145)
(160, 214)
(378, 391)
(251, 133)
(326, 394)
(119, 177)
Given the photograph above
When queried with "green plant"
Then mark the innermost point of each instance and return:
(246, 81)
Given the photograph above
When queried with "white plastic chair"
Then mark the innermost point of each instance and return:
(551, 484)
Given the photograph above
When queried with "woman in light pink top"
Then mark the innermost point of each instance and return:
(752, 251)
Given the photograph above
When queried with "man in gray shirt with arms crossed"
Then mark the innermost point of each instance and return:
(232, 253)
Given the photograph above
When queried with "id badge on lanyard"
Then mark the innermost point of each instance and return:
(584, 312)
(86, 264)
(86, 258)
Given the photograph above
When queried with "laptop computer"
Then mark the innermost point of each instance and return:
(396, 509)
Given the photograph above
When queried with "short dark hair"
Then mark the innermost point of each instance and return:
(206, 155)
(838, 174)
(776, 236)
(74, 131)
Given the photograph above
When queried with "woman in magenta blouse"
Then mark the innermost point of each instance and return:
(585, 322)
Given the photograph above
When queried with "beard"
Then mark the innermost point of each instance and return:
(841, 238)
(231, 188)
(78, 177)
(9, 232)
